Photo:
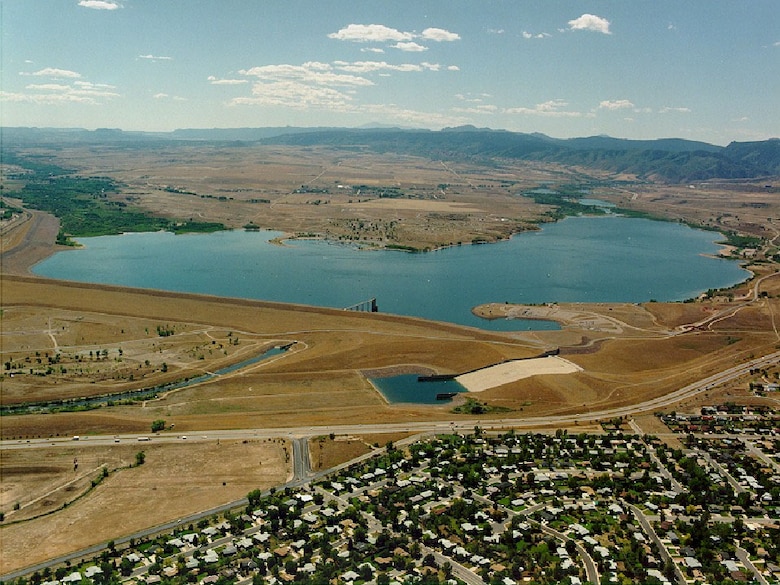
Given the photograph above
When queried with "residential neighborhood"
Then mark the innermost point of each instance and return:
(500, 509)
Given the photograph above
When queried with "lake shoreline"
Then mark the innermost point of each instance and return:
(578, 260)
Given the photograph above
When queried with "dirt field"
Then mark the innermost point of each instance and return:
(174, 481)
(329, 452)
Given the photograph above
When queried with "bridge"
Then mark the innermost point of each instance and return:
(368, 306)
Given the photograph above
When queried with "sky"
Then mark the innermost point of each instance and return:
(697, 69)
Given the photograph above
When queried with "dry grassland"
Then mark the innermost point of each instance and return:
(437, 205)
(725, 206)
(175, 481)
(326, 452)
(318, 380)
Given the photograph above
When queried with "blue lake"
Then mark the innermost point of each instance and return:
(407, 388)
(579, 259)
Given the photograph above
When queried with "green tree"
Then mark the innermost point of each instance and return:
(125, 567)
(158, 425)
(254, 498)
(140, 458)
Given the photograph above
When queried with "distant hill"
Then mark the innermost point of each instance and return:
(671, 160)
(764, 154)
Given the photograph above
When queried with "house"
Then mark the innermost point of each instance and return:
(692, 563)
(90, 572)
(211, 556)
(658, 575)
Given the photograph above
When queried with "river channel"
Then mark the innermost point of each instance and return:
(579, 259)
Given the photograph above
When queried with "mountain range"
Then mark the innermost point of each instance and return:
(670, 160)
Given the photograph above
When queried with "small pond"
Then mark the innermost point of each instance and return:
(409, 388)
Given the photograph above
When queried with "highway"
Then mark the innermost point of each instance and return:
(462, 425)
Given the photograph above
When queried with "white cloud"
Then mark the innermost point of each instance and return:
(339, 73)
(551, 109)
(48, 87)
(777, 44)
(88, 85)
(295, 94)
(371, 50)
(615, 104)
(496, 31)
(83, 92)
(155, 58)
(590, 22)
(214, 81)
(414, 117)
(312, 73)
(371, 66)
(100, 4)
(48, 99)
(410, 46)
(527, 35)
(404, 41)
(165, 96)
(469, 99)
(377, 33)
(453, 68)
(669, 110)
(55, 73)
(334, 87)
(482, 109)
(439, 34)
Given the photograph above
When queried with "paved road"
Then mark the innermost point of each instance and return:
(591, 570)
(722, 471)
(433, 426)
(743, 556)
(762, 456)
(650, 531)
(458, 570)
(663, 470)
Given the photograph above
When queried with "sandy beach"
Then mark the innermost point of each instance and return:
(515, 370)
